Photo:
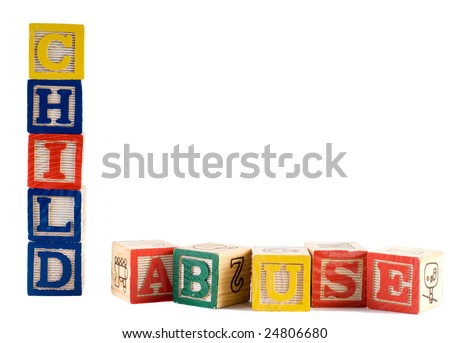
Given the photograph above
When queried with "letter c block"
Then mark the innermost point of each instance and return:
(56, 51)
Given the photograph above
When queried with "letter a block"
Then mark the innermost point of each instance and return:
(56, 51)
(54, 269)
(54, 161)
(142, 271)
(212, 275)
(405, 279)
(55, 106)
(339, 274)
(281, 279)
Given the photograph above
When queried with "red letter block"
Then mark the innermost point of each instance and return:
(54, 161)
(404, 279)
(142, 271)
(338, 274)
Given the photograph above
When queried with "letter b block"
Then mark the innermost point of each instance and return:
(404, 279)
(281, 279)
(212, 275)
(339, 274)
(142, 271)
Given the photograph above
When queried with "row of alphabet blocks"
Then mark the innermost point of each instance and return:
(55, 149)
(282, 278)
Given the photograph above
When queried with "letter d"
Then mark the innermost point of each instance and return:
(54, 258)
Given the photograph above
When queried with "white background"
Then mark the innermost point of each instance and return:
(232, 76)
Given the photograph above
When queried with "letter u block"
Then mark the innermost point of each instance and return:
(405, 279)
(54, 161)
(339, 274)
(281, 279)
(212, 275)
(142, 271)
(54, 269)
(56, 51)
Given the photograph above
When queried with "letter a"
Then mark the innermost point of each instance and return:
(156, 266)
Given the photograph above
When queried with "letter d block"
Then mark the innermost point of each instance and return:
(212, 275)
(54, 161)
(142, 271)
(405, 279)
(56, 51)
(281, 279)
(339, 274)
(54, 269)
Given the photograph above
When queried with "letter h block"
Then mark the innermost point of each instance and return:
(339, 274)
(281, 279)
(405, 279)
(212, 275)
(142, 271)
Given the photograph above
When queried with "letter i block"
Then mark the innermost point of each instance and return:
(281, 279)
(339, 274)
(405, 279)
(54, 269)
(142, 271)
(212, 275)
(54, 161)
(55, 106)
(56, 51)
(54, 215)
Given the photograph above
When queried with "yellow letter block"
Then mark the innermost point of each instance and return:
(281, 279)
(56, 51)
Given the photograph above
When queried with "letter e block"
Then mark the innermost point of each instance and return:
(142, 271)
(339, 274)
(281, 279)
(212, 275)
(56, 51)
(55, 106)
(54, 161)
(54, 269)
(405, 279)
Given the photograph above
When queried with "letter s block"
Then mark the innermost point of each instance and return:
(56, 51)
(339, 275)
(281, 279)
(54, 161)
(405, 279)
(212, 275)
(142, 271)
(54, 269)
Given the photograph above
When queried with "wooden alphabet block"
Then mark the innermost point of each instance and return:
(56, 51)
(142, 271)
(54, 269)
(54, 161)
(405, 279)
(55, 106)
(212, 275)
(281, 279)
(339, 274)
(54, 215)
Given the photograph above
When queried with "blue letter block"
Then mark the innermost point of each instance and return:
(55, 106)
(54, 269)
(54, 215)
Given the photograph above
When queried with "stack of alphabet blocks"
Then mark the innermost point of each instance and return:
(215, 275)
(55, 149)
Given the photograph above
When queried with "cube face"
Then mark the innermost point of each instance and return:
(142, 271)
(54, 215)
(56, 51)
(195, 278)
(55, 106)
(55, 161)
(212, 275)
(339, 274)
(281, 279)
(404, 279)
(54, 269)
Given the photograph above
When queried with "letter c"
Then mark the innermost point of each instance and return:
(42, 51)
